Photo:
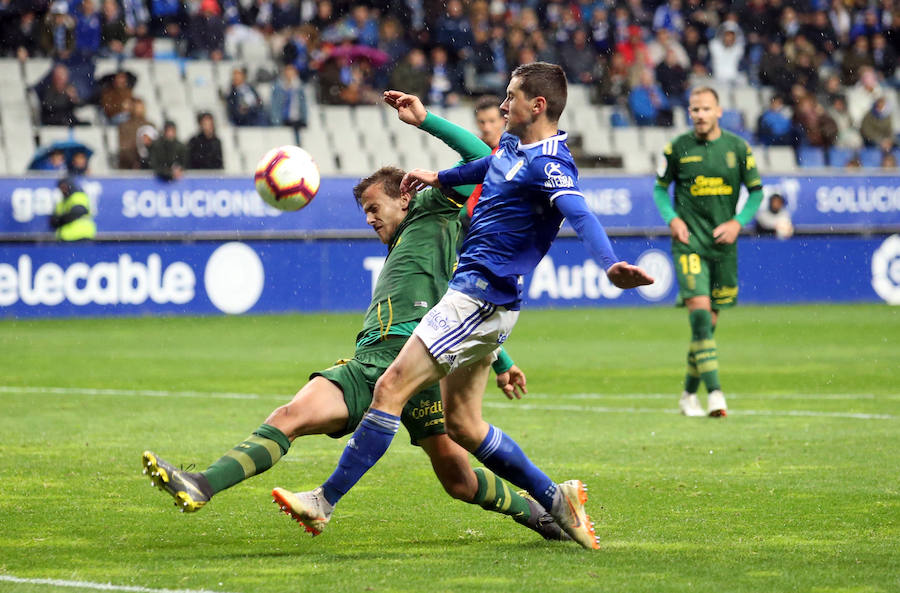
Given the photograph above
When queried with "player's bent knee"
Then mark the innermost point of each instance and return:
(462, 432)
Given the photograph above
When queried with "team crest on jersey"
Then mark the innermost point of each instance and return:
(555, 176)
(515, 169)
(730, 160)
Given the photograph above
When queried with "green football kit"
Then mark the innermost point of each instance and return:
(708, 175)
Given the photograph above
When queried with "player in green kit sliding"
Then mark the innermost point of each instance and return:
(708, 166)
(421, 235)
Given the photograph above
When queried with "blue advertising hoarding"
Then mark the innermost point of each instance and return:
(213, 277)
(221, 206)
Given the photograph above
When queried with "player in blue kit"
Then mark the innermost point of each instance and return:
(530, 185)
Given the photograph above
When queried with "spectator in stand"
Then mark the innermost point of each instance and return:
(59, 99)
(515, 41)
(831, 89)
(204, 149)
(841, 21)
(649, 105)
(862, 96)
(888, 161)
(877, 129)
(245, 108)
(774, 69)
(660, 46)
(57, 35)
(114, 32)
(639, 15)
(128, 134)
(55, 161)
(726, 52)
(288, 105)
(546, 52)
(392, 42)
(673, 79)
(774, 127)
(87, 29)
(166, 17)
(577, 58)
(19, 38)
(820, 33)
(668, 16)
(364, 25)
(168, 155)
(813, 124)
(754, 18)
(454, 31)
(325, 16)
(206, 32)
(411, 74)
(146, 137)
(867, 26)
(884, 57)
(601, 31)
(481, 61)
(805, 73)
(697, 49)
(620, 22)
(633, 48)
(774, 219)
(285, 15)
(79, 165)
(445, 83)
(848, 136)
(300, 50)
(789, 24)
(855, 59)
(702, 16)
(116, 97)
(612, 80)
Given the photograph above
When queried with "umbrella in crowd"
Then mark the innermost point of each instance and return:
(42, 157)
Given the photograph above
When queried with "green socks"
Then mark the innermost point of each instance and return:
(260, 451)
(692, 376)
(703, 361)
(495, 495)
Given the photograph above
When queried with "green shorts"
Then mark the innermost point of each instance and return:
(423, 415)
(706, 276)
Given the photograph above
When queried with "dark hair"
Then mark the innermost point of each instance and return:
(204, 114)
(389, 177)
(540, 79)
(705, 89)
(486, 102)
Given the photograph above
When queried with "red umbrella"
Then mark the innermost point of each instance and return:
(355, 52)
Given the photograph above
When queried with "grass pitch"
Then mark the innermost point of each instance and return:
(797, 490)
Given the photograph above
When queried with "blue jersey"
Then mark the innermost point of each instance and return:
(515, 220)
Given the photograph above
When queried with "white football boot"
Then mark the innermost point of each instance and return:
(690, 405)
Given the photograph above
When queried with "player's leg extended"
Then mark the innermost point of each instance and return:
(693, 276)
(412, 370)
(480, 486)
(462, 391)
(317, 408)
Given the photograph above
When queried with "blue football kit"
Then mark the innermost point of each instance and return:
(528, 189)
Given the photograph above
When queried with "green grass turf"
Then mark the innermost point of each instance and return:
(790, 493)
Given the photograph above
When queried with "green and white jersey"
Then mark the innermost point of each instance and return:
(708, 177)
(421, 258)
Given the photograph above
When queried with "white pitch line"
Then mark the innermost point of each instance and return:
(97, 586)
(489, 404)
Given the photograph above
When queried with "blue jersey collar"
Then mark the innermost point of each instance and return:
(559, 137)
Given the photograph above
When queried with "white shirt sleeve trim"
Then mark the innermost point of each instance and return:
(565, 192)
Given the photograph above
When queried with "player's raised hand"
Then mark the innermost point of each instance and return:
(625, 275)
(409, 107)
(417, 180)
(679, 230)
(512, 382)
(727, 232)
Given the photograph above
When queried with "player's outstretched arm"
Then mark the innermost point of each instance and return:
(592, 234)
(409, 108)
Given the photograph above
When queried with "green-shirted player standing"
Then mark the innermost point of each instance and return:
(421, 235)
(708, 166)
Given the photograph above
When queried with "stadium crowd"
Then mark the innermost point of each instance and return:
(832, 67)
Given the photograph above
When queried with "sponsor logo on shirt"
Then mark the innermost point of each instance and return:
(555, 176)
(710, 186)
(691, 159)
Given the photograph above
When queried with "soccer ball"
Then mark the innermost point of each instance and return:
(287, 178)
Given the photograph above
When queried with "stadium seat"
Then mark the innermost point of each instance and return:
(780, 158)
(746, 100)
(355, 162)
(733, 121)
(626, 140)
(839, 157)
(870, 156)
(654, 138)
(637, 161)
(810, 157)
(36, 69)
(618, 119)
(597, 141)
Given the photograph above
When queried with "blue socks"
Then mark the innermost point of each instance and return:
(371, 439)
(505, 458)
